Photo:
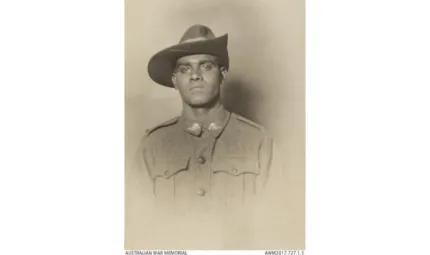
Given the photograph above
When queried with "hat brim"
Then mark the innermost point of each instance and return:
(162, 64)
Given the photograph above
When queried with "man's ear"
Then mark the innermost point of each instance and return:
(174, 81)
(224, 72)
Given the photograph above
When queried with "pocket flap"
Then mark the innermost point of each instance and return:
(235, 165)
(167, 167)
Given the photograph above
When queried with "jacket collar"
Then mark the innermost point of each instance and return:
(214, 125)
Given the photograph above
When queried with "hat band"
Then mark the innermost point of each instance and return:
(195, 39)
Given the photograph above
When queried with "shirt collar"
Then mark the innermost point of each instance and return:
(215, 124)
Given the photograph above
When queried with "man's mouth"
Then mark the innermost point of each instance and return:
(197, 88)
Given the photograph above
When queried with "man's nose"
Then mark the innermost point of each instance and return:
(196, 75)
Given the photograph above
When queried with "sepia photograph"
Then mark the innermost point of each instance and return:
(191, 127)
(214, 125)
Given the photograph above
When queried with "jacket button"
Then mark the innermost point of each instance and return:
(201, 192)
(201, 160)
(166, 173)
(234, 170)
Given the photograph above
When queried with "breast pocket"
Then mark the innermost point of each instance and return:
(233, 178)
(163, 175)
(167, 167)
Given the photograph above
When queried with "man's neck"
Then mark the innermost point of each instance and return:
(201, 114)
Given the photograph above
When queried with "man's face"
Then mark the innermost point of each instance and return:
(198, 79)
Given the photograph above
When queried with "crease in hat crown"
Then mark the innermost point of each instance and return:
(197, 39)
(197, 33)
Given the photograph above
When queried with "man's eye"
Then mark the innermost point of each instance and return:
(184, 69)
(207, 66)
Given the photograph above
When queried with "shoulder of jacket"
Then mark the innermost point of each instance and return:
(249, 122)
(161, 125)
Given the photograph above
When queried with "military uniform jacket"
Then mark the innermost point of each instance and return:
(207, 166)
(220, 168)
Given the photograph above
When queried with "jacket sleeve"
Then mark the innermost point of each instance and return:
(269, 214)
(139, 202)
(142, 157)
(271, 178)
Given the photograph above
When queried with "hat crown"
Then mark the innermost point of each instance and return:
(197, 33)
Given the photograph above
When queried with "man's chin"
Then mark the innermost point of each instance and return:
(200, 103)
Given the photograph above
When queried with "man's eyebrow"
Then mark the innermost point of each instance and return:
(207, 61)
(199, 62)
(183, 64)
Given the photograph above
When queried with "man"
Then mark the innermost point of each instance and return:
(207, 160)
